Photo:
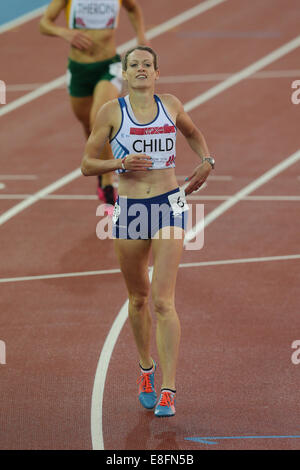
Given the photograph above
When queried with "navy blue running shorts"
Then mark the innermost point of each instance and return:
(141, 219)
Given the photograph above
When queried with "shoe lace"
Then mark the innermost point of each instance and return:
(167, 399)
(146, 384)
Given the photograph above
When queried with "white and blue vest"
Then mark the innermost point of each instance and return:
(156, 139)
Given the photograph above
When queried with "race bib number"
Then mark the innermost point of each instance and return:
(95, 14)
(116, 213)
(178, 202)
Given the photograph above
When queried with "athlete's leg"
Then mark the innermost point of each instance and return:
(103, 92)
(166, 255)
(86, 108)
(133, 257)
(82, 110)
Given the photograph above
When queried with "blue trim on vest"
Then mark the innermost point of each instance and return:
(122, 104)
(164, 110)
(125, 150)
(147, 123)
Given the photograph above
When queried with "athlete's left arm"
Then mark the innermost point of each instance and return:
(195, 139)
(137, 20)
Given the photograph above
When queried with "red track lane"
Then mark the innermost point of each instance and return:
(235, 376)
(235, 367)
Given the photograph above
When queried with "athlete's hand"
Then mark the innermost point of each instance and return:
(138, 162)
(198, 177)
(78, 39)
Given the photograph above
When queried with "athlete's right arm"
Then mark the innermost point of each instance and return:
(47, 26)
(107, 123)
(91, 163)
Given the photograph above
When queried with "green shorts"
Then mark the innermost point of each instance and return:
(82, 78)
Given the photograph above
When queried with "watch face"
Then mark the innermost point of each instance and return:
(211, 161)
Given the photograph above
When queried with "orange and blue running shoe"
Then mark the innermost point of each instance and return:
(166, 404)
(147, 394)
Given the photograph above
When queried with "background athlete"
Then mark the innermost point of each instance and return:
(148, 180)
(94, 67)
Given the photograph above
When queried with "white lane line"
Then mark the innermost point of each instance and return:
(267, 176)
(90, 197)
(105, 272)
(98, 390)
(14, 196)
(18, 177)
(152, 33)
(183, 17)
(210, 77)
(112, 337)
(212, 92)
(246, 198)
(59, 276)
(204, 77)
(39, 195)
(211, 177)
(98, 440)
(229, 82)
(22, 19)
(50, 86)
(263, 259)
(54, 197)
(100, 376)
(24, 86)
(244, 73)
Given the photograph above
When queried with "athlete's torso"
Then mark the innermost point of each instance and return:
(144, 184)
(156, 138)
(98, 19)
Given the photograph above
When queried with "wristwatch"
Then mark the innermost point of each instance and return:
(210, 160)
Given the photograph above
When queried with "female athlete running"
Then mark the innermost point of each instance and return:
(94, 67)
(151, 210)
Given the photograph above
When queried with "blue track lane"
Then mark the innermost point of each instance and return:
(13, 9)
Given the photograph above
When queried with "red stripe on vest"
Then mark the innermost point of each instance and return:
(152, 130)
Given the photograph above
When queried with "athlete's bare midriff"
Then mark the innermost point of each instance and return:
(104, 46)
(149, 183)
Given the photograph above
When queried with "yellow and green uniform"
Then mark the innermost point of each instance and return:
(82, 78)
(93, 14)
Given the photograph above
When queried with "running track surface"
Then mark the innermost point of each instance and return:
(239, 320)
